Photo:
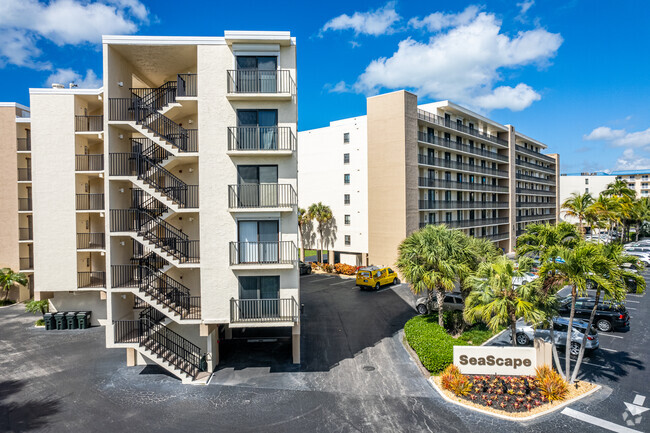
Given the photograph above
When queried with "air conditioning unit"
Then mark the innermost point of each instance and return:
(58, 86)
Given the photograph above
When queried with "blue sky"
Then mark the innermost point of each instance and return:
(572, 74)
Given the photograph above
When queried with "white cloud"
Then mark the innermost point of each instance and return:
(64, 22)
(439, 20)
(620, 137)
(376, 22)
(66, 76)
(524, 6)
(340, 87)
(463, 64)
(631, 161)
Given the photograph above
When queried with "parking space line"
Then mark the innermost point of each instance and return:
(602, 334)
(343, 282)
(597, 421)
(562, 358)
(634, 302)
(609, 350)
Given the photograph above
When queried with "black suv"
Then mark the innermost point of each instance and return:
(609, 315)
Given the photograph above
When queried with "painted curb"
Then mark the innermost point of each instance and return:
(508, 418)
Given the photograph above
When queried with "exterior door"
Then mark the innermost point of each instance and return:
(259, 297)
(248, 246)
(257, 185)
(258, 242)
(256, 74)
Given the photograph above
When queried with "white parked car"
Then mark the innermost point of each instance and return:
(453, 301)
(526, 334)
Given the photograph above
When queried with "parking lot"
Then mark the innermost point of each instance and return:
(355, 376)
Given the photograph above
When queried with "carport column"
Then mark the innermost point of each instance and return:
(295, 343)
(543, 352)
(330, 257)
(213, 349)
(130, 357)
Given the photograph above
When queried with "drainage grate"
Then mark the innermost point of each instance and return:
(369, 368)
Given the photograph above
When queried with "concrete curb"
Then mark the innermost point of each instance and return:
(509, 418)
(494, 337)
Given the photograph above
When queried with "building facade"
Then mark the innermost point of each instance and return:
(430, 164)
(165, 202)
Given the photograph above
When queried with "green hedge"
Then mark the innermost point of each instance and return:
(432, 343)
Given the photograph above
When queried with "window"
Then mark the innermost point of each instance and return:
(586, 181)
(346, 178)
(262, 287)
(632, 177)
(644, 177)
(347, 220)
(347, 239)
(586, 189)
(346, 158)
(630, 185)
(346, 137)
(346, 198)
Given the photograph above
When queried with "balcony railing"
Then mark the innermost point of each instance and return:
(266, 195)
(91, 241)
(432, 205)
(535, 166)
(254, 253)
(447, 163)
(91, 279)
(24, 204)
(128, 331)
(90, 201)
(261, 138)
(533, 153)
(550, 216)
(244, 81)
(460, 224)
(432, 139)
(26, 263)
(535, 192)
(535, 179)
(186, 85)
(433, 118)
(536, 204)
(449, 184)
(25, 234)
(89, 162)
(89, 123)
(494, 236)
(24, 145)
(24, 174)
(264, 310)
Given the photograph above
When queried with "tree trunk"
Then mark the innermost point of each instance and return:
(322, 256)
(637, 229)
(580, 226)
(513, 331)
(567, 354)
(556, 357)
(584, 338)
(440, 295)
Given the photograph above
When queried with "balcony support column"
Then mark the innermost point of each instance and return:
(213, 349)
(295, 343)
(131, 359)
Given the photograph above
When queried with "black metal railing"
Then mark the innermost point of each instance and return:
(458, 224)
(24, 204)
(149, 149)
(128, 331)
(186, 85)
(24, 144)
(441, 204)
(432, 139)
(91, 241)
(25, 234)
(533, 153)
(536, 204)
(24, 174)
(447, 163)
(26, 263)
(262, 138)
(278, 252)
(264, 310)
(261, 81)
(91, 279)
(89, 123)
(93, 201)
(535, 179)
(531, 191)
(438, 120)
(549, 216)
(494, 236)
(89, 162)
(535, 166)
(266, 195)
(178, 351)
(427, 182)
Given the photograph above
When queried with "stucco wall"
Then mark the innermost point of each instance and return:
(8, 190)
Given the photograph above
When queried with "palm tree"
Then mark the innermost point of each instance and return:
(432, 261)
(9, 278)
(323, 215)
(604, 209)
(641, 214)
(538, 238)
(303, 219)
(480, 250)
(619, 188)
(577, 205)
(494, 299)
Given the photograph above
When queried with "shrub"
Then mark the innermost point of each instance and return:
(431, 342)
(448, 376)
(40, 322)
(342, 268)
(37, 307)
(327, 267)
(315, 265)
(551, 385)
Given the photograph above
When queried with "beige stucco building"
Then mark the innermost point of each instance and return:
(428, 164)
(166, 201)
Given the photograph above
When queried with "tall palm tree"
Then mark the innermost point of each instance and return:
(432, 260)
(538, 238)
(9, 279)
(641, 214)
(577, 205)
(323, 215)
(303, 219)
(604, 208)
(480, 250)
(494, 299)
(619, 188)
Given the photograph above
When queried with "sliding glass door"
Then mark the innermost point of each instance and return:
(259, 297)
(258, 242)
(257, 185)
(257, 74)
(258, 129)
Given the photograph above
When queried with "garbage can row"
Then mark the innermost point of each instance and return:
(67, 320)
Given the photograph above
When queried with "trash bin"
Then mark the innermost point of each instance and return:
(48, 318)
(83, 319)
(70, 318)
(60, 321)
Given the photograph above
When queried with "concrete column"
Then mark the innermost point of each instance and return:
(512, 189)
(330, 257)
(295, 343)
(40, 296)
(228, 333)
(130, 357)
(213, 349)
(544, 352)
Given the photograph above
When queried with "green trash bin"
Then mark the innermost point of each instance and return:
(61, 323)
(83, 319)
(48, 318)
(71, 319)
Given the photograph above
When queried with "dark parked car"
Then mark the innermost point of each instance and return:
(609, 315)
(305, 268)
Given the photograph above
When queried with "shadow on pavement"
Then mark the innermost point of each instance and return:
(24, 416)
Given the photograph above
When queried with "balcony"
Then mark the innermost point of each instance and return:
(434, 205)
(535, 179)
(276, 140)
(186, 85)
(89, 123)
(536, 204)
(263, 253)
(25, 234)
(437, 120)
(494, 236)
(260, 84)
(426, 182)
(24, 145)
(246, 311)
(432, 139)
(460, 224)
(90, 201)
(535, 154)
(93, 279)
(530, 191)
(91, 241)
(24, 204)
(550, 216)
(26, 263)
(535, 166)
(271, 196)
(89, 162)
(24, 175)
(459, 166)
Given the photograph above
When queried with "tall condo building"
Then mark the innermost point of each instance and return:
(165, 202)
(404, 165)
